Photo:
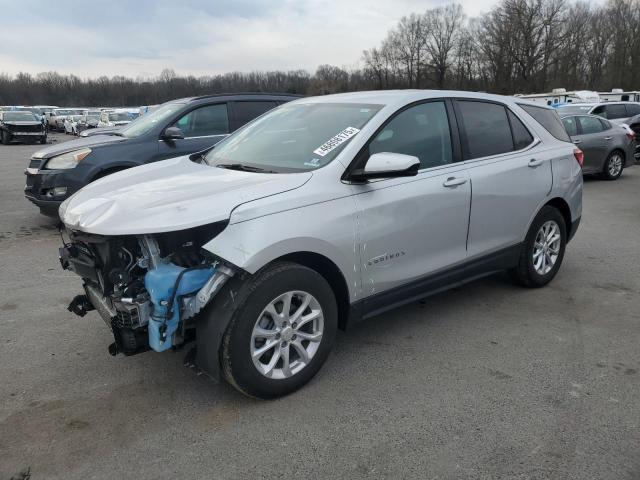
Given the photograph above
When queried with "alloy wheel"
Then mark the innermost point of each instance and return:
(615, 165)
(546, 247)
(287, 334)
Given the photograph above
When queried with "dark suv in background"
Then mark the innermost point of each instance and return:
(176, 128)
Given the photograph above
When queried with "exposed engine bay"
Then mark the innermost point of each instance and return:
(147, 288)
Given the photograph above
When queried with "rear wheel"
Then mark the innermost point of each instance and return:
(281, 333)
(613, 166)
(543, 249)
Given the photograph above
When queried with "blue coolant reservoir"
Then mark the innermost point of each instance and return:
(160, 283)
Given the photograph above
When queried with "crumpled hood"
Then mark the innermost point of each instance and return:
(77, 144)
(168, 196)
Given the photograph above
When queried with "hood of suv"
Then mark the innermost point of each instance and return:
(167, 196)
(77, 144)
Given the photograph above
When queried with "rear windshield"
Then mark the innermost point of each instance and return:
(549, 119)
(565, 109)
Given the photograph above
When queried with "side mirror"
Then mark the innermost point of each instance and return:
(173, 133)
(387, 165)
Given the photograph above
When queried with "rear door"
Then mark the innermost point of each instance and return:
(202, 127)
(510, 177)
(593, 141)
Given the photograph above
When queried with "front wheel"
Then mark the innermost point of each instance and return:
(282, 331)
(613, 166)
(543, 249)
(6, 138)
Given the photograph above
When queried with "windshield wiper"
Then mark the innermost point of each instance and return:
(243, 168)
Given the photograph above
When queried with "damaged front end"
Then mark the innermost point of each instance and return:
(147, 288)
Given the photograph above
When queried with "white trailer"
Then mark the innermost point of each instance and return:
(559, 96)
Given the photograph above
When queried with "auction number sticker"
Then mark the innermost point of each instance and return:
(335, 142)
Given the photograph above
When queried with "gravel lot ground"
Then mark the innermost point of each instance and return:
(486, 381)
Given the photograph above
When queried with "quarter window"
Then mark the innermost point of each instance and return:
(521, 136)
(421, 131)
(549, 119)
(205, 121)
(486, 127)
(590, 125)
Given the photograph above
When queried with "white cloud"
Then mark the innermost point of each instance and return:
(197, 36)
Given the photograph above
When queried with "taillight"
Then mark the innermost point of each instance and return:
(579, 154)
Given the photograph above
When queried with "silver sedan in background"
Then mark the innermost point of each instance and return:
(607, 147)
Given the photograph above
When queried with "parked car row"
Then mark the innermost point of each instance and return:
(606, 133)
(74, 121)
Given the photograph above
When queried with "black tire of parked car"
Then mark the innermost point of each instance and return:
(525, 273)
(251, 298)
(6, 138)
(605, 169)
(43, 139)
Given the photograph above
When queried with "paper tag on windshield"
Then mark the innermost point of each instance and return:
(335, 142)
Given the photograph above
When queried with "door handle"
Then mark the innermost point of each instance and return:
(577, 141)
(454, 182)
(533, 163)
(608, 138)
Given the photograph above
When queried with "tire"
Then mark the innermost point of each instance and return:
(240, 351)
(529, 272)
(6, 138)
(613, 166)
(43, 139)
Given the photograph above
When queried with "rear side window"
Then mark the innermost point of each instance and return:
(570, 125)
(487, 128)
(521, 136)
(590, 125)
(247, 111)
(549, 119)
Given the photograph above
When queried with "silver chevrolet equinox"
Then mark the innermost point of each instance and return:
(320, 213)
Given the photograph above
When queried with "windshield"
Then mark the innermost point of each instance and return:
(147, 122)
(19, 117)
(574, 109)
(75, 117)
(93, 114)
(293, 138)
(119, 117)
(61, 113)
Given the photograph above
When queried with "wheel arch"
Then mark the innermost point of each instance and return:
(562, 206)
(103, 172)
(331, 273)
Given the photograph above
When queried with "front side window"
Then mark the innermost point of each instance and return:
(611, 111)
(486, 127)
(146, 123)
(421, 131)
(633, 109)
(293, 137)
(205, 121)
(590, 125)
(570, 125)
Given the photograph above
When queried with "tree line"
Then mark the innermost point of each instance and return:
(519, 46)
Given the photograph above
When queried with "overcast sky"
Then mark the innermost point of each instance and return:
(199, 37)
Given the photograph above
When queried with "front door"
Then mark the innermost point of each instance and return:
(409, 229)
(202, 127)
